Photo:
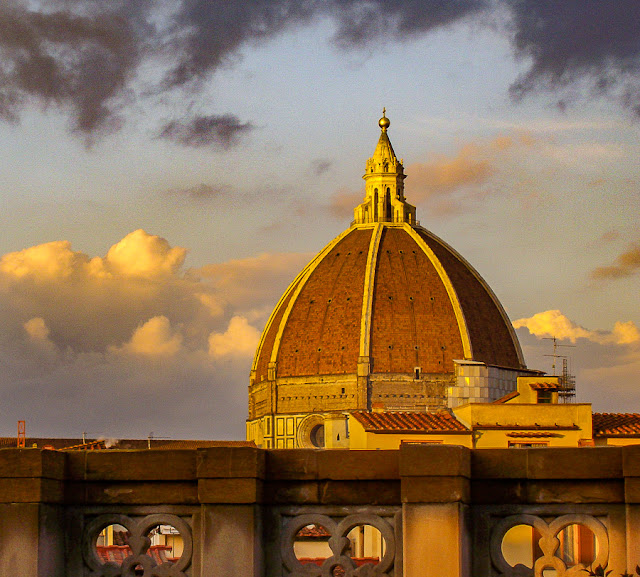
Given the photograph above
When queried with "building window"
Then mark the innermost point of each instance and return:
(527, 444)
(545, 396)
(416, 373)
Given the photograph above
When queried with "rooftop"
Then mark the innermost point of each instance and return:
(397, 422)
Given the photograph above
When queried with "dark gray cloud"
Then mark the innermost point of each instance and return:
(224, 131)
(201, 191)
(208, 32)
(320, 166)
(361, 22)
(572, 40)
(83, 56)
(79, 62)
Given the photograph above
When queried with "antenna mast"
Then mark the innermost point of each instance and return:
(567, 390)
(22, 434)
(567, 393)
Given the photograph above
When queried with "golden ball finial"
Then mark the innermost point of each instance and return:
(384, 122)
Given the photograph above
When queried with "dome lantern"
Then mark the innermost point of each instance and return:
(384, 185)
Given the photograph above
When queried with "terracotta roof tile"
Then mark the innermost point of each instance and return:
(526, 427)
(118, 553)
(536, 434)
(313, 531)
(338, 570)
(492, 339)
(507, 397)
(395, 422)
(544, 386)
(616, 424)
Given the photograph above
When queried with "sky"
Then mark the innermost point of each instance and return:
(168, 166)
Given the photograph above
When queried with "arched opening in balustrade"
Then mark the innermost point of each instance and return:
(114, 545)
(520, 546)
(577, 545)
(167, 544)
(367, 545)
(311, 545)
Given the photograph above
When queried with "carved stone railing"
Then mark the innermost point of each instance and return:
(421, 511)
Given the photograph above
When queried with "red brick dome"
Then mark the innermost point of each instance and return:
(392, 292)
(385, 315)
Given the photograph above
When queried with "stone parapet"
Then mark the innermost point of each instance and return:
(444, 503)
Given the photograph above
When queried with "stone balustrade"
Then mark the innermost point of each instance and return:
(440, 510)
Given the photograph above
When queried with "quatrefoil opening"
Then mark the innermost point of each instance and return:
(158, 545)
(359, 546)
(528, 546)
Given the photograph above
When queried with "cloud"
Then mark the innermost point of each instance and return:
(343, 201)
(626, 264)
(80, 61)
(224, 131)
(320, 166)
(89, 304)
(364, 22)
(252, 286)
(37, 329)
(606, 364)
(85, 57)
(50, 260)
(154, 338)
(142, 254)
(240, 339)
(553, 323)
(450, 183)
(38, 333)
(131, 342)
(567, 41)
(201, 192)
(453, 183)
(209, 32)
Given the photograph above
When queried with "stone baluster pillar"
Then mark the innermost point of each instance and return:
(230, 486)
(31, 491)
(435, 495)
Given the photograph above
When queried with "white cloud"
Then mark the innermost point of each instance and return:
(142, 254)
(154, 338)
(130, 342)
(606, 363)
(239, 340)
(37, 329)
(45, 261)
(553, 323)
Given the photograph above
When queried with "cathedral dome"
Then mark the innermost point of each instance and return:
(394, 293)
(381, 315)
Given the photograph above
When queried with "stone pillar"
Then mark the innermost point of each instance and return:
(363, 399)
(31, 493)
(631, 473)
(435, 493)
(230, 482)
